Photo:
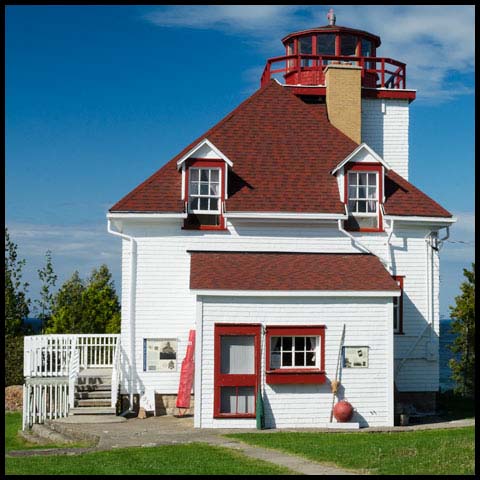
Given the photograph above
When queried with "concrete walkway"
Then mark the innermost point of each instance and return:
(168, 430)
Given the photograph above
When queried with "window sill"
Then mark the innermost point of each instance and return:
(205, 227)
(365, 230)
(233, 415)
(291, 376)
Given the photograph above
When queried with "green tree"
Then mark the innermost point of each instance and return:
(101, 308)
(86, 308)
(16, 301)
(48, 279)
(67, 308)
(463, 325)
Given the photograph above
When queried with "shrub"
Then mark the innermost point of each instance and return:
(13, 360)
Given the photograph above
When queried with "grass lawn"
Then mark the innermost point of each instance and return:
(427, 452)
(188, 459)
(13, 441)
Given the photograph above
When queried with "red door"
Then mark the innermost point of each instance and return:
(237, 370)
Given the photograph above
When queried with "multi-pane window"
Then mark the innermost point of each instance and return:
(348, 45)
(204, 190)
(305, 47)
(294, 352)
(326, 44)
(362, 193)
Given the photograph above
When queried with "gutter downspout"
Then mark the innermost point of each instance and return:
(131, 312)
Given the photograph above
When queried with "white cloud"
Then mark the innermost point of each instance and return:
(73, 248)
(436, 42)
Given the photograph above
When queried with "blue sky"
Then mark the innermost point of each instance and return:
(100, 97)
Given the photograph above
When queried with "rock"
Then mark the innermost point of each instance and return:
(142, 413)
(14, 398)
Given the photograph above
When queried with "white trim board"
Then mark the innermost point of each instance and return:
(296, 293)
(196, 148)
(361, 147)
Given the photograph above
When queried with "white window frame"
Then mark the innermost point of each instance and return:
(362, 199)
(209, 196)
(292, 351)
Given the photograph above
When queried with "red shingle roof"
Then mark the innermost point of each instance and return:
(288, 271)
(402, 198)
(283, 151)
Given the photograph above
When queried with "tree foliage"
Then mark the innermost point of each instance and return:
(463, 325)
(48, 279)
(16, 300)
(13, 360)
(90, 307)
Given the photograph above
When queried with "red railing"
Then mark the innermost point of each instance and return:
(309, 69)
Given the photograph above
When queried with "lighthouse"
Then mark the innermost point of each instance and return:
(288, 222)
(366, 95)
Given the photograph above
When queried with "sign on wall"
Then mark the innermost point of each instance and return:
(160, 354)
(355, 357)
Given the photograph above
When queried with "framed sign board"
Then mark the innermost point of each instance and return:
(160, 354)
(355, 357)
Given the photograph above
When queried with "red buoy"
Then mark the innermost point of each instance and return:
(343, 411)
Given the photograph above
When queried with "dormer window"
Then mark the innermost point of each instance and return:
(363, 191)
(205, 192)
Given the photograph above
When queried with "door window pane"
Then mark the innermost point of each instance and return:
(246, 400)
(237, 354)
(228, 399)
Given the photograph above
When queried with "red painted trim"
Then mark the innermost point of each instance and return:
(275, 378)
(400, 279)
(206, 163)
(338, 45)
(365, 167)
(390, 93)
(295, 375)
(234, 380)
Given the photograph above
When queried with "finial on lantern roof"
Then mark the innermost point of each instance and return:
(331, 17)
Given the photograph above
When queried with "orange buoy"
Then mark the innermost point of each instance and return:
(343, 411)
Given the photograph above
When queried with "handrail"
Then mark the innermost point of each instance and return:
(115, 376)
(309, 62)
(49, 355)
(73, 369)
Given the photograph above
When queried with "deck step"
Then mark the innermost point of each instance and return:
(92, 411)
(101, 387)
(93, 402)
(90, 380)
(93, 394)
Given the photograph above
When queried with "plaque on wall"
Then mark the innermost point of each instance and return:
(355, 357)
(160, 354)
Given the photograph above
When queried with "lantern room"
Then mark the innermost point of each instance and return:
(309, 52)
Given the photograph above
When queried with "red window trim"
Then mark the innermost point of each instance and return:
(205, 163)
(366, 167)
(295, 375)
(400, 279)
(235, 380)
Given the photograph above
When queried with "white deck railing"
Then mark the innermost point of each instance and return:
(51, 364)
(49, 355)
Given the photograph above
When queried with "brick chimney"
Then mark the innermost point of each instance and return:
(343, 99)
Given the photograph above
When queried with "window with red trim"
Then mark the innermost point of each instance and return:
(398, 307)
(236, 370)
(295, 354)
(205, 193)
(363, 197)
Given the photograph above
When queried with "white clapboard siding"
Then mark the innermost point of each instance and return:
(367, 323)
(385, 129)
(165, 307)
